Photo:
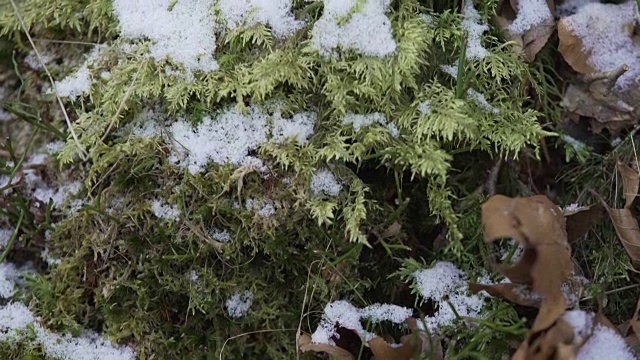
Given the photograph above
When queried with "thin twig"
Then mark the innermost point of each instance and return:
(66, 42)
(492, 179)
(82, 153)
(249, 333)
(124, 99)
(611, 77)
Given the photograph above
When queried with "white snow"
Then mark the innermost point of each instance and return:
(5, 234)
(222, 236)
(323, 181)
(230, 136)
(473, 26)
(239, 304)
(8, 276)
(425, 107)
(359, 122)
(575, 144)
(75, 85)
(447, 285)
(367, 32)
(32, 60)
(529, 14)
(262, 207)
(343, 313)
(481, 101)
(450, 69)
(274, 13)
(183, 33)
(606, 32)
(59, 195)
(570, 7)
(55, 146)
(164, 211)
(602, 342)
(15, 319)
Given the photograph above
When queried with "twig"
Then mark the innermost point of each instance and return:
(490, 185)
(611, 77)
(66, 42)
(249, 333)
(82, 152)
(124, 99)
(13, 238)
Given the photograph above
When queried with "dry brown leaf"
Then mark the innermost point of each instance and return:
(533, 40)
(554, 343)
(623, 220)
(635, 321)
(612, 112)
(630, 183)
(539, 225)
(628, 232)
(580, 222)
(572, 49)
(410, 348)
(304, 343)
(508, 291)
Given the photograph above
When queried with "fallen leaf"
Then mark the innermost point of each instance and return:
(581, 221)
(572, 49)
(624, 222)
(634, 322)
(304, 344)
(630, 183)
(538, 224)
(555, 343)
(410, 348)
(508, 291)
(531, 41)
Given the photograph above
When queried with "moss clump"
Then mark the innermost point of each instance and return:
(162, 284)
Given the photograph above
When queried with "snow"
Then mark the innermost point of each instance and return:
(147, 124)
(530, 13)
(32, 60)
(239, 304)
(74, 85)
(230, 136)
(575, 144)
(425, 107)
(164, 211)
(8, 276)
(183, 33)
(323, 181)
(602, 342)
(222, 236)
(367, 31)
(450, 69)
(447, 285)
(54, 147)
(5, 235)
(343, 313)
(570, 7)
(79, 83)
(59, 195)
(299, 127)
(263, 207)
(606, 33)
(15, 319)
(359, 122)
(274, 13)
(473, 26)
(481, 101)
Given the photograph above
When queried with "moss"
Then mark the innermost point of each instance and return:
(127, 273)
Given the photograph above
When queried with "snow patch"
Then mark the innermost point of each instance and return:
(182, 32)
(444, 281)
(239, 304)
(530, 13)
(473, 26)
(359, 122)
(323, 181)
(367, 30)
(605, 30)
(343, 313)
(164, 211)
(16, 317)
(274, 13)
